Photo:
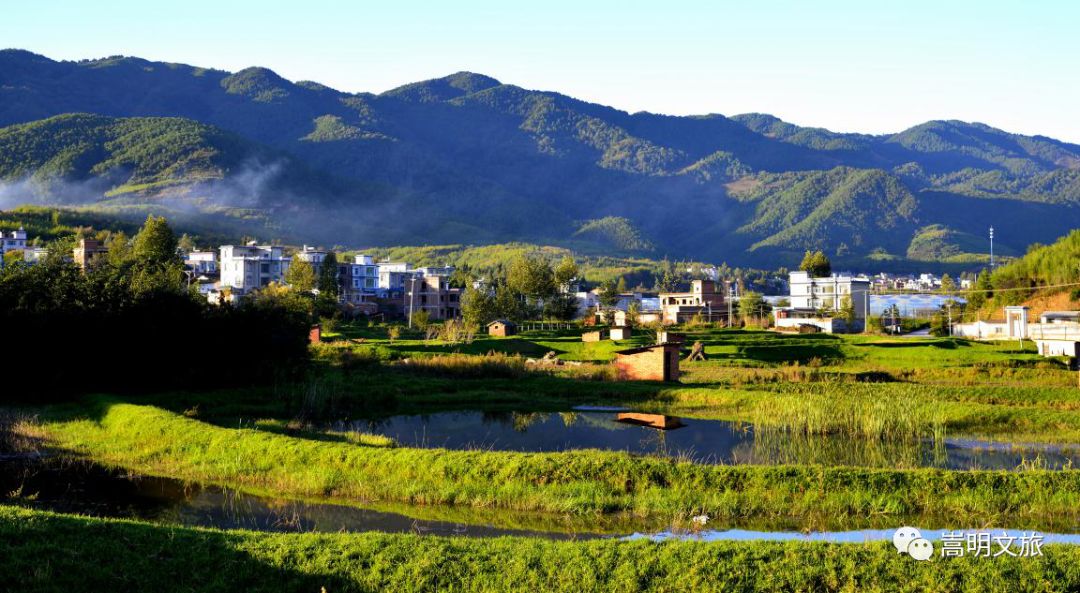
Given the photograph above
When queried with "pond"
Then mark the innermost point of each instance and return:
(707, 441)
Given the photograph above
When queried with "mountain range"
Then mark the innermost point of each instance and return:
(468, 159)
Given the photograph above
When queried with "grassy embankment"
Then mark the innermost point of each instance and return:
(50, 552)
(154, 441)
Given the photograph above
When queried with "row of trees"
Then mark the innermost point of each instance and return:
(132, 323)
(531, 288)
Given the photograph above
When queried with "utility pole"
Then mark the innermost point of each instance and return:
(991, 248)
(729, 303)
(412, 292)
(866, 311)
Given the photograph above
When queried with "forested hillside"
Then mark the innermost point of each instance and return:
(467, 158)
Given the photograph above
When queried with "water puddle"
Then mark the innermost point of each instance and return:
(841, 537)
(707, 441)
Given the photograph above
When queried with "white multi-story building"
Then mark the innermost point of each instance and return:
(359, 280)
(202, 262)
(15, 240)
(815, 300)
(394, 275)
(827, 293)
(12, 240)
(249, 267)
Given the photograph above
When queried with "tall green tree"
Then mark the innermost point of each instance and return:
(817, 264)
(532, 277)
(327, 282)
(478, 307)
(846, 310)
(948, 286)
(752, 305)
(982, 292)
(155, 243)
(300, 276)
(156, 263)
(566, 272)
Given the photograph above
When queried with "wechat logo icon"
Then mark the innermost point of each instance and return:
(910, 541)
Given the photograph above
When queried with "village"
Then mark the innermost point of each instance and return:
(808, 303)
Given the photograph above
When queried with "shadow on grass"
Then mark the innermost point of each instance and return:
(61, 553)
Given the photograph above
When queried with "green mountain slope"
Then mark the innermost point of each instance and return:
(467, 158)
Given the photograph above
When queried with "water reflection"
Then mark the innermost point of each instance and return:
(709, 441)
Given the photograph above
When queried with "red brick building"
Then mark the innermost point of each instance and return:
(649, 363)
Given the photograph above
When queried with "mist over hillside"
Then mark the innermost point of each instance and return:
(469, 159)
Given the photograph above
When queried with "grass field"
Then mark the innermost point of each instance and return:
(878, 394)
(50, 552)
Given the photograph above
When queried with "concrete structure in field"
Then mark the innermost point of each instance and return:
(87, 252)
(249, 267)
(502, 328)
(1069, 348)
(596, 336)
(705, 299)
(664, 335)
(648, 363)
(814, 302)
(1054, 327)
(621, 333)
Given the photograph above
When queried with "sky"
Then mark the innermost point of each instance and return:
(868, 66)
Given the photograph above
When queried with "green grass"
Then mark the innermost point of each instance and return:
(157, 442)
(51, 552)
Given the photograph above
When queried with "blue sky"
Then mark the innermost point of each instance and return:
(867, 66)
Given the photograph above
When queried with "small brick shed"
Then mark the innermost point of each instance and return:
(596, 336)
(649, 363)
(502, 328)
(621, 333)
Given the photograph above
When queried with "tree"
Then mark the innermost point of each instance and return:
(982, 292)
(478, 307)
(531, 277)
(566, 272)
(620, 286)
(156, 265)
(186, 243)
(609, 294)
(947, 284)
(13, 257)
(300, 276)
(846, 311)
(155, 244)
(753, 306)
(667, 281)
(120, 249)
(421, 318)
(817, 264)
(327, 282)
(609, 298)
(561, 306)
